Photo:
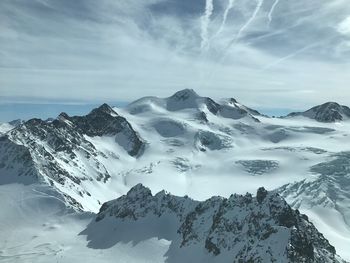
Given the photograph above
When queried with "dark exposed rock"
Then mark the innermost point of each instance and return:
(16, 161)
(211, 247)
(212, 106)
(244, 227)
(327, 112)
(261, 194)
(201, 116)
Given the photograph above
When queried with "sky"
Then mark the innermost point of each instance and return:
(274, 54)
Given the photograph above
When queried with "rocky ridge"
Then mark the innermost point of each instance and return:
(60, 153)
(240, 228)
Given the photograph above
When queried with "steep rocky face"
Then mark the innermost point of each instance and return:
(16, 163)
(330, 189)
(233, 103)
(104, 121)
(139, 202)
(61, 152)
(66, 133)
(327, 112)
(238, 229)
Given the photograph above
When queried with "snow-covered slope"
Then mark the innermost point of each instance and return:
(327, 112)
(36, 226)
(238, 229)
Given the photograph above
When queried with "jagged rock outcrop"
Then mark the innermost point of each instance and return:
(327, 112)
(104, 121)
(235, 229)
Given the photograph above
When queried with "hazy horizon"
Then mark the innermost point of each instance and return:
(26, 108)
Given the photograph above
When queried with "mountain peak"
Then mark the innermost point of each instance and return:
(139, 190)
(331, 103)
(63, 116)
(185, 99)
(185, 94)
(329, 106)
(104, 108)
(326, 112)
(232, 100)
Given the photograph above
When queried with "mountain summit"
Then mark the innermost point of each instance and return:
(185, 94)
(327, 112)
(188, 99)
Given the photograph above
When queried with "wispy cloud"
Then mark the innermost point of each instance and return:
(272, 10)
(102, 50)
(209, 8)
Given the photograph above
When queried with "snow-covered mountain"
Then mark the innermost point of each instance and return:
(188, 145)
(189, 99)
(327, 112)
(79, 155)
(237, 229)
(61, 153)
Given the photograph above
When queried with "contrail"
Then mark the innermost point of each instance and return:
(224, 18)
(247, 24)
(280, 60)
(272, 9)
(205, 20)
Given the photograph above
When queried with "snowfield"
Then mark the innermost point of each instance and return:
(38, 227)
(185, 144)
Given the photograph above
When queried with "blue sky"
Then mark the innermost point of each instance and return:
(272, 54)
(26, 109)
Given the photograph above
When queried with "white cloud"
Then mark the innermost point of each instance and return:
(344, 26)
(96, 50)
